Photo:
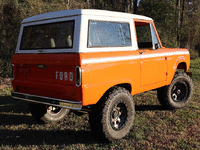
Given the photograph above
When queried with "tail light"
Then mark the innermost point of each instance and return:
(12, 72)
(78, 76)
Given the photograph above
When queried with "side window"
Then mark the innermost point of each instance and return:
(146, 36)
(105, 34)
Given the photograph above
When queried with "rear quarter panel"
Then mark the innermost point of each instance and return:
(101, 71)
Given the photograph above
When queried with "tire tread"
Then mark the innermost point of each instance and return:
(97, 119)
(162, 92)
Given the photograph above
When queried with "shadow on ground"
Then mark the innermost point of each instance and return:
(149, 107)
(41, 137)
(8, 104)
(15, 112)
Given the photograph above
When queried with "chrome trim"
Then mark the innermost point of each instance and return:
(12, 73)
(79, 71)
(73, 105)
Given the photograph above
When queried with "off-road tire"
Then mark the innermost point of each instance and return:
(113, 118)
(42, 114)
(178, 93)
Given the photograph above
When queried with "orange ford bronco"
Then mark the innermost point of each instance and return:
(95, 60)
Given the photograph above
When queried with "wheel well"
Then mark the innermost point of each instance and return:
(182, 66)
(124, 85)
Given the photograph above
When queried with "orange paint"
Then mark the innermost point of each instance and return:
(142, 74)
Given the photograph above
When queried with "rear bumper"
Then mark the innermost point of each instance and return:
(48, 101)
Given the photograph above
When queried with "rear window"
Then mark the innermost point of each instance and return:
(57, 35)
(108, 34)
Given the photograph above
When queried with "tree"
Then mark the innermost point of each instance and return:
(192, 26)
(180, 8)
(135, 7)
(163, 13)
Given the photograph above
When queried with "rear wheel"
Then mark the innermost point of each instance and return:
(114, 118)
(47, 114)
(178, 93)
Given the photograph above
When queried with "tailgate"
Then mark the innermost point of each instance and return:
(50, 75)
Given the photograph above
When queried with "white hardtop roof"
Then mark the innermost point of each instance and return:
(75, 12)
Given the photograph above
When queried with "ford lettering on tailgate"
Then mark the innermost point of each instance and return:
(64, 76)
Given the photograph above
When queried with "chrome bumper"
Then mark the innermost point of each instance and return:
(48, 101)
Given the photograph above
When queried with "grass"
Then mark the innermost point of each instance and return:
(154, 128)
(5, 87)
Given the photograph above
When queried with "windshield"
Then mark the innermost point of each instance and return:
(57, 35)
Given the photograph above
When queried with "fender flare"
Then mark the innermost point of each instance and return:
(127, 86)
(180, 64)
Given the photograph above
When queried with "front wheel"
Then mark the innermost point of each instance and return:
(115, 118)
(178, 93)
(47, 114)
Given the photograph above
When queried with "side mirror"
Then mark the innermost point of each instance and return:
(157, 46)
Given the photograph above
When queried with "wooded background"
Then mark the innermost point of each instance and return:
(177, 21)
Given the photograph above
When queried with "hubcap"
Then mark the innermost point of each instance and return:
(179, 91)
(53, 110)
(118, 115)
